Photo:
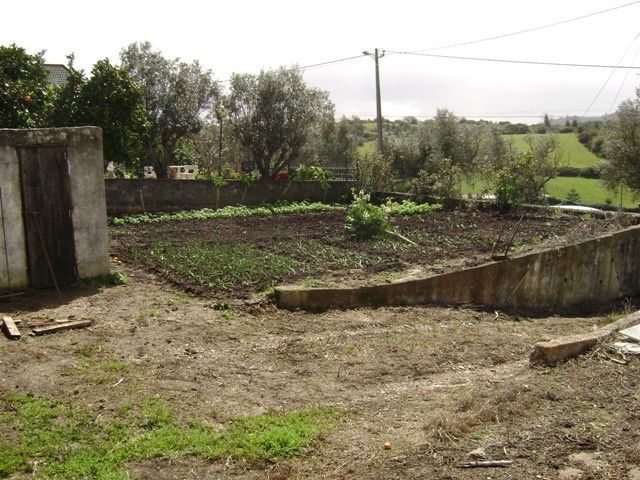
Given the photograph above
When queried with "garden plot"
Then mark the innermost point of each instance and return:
(240, 257)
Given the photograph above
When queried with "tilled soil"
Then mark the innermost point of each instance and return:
(446, 240)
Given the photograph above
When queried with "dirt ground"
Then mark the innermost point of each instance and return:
(436, 383)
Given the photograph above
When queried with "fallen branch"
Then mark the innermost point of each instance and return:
(117, 383)
(402, 237)
(486, 464)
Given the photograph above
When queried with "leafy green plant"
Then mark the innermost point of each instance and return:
(408, 207)
(312, 172)
(365, 221)
(226, 212)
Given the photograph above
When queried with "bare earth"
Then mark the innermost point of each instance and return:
(436, 383)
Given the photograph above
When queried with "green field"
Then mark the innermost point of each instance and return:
(574, 154)
(591, 191)
(367, 147)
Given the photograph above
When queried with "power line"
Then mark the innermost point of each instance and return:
(492, 115)
(330, 62)
(527, 30)
(606, 82)
(523, 62)
(317, 65)
(623, 81)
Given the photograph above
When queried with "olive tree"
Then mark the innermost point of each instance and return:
(175, 94)
(622, 146)
(272, 114)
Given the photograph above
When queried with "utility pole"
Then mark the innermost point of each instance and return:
(379, 144)
(220, 113)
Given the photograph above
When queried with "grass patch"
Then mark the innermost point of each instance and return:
(591, 191)
(574, 154)
(66, 443)
(218, 266)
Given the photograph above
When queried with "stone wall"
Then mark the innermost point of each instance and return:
(576, 277)
(86, 173)
(137, 196)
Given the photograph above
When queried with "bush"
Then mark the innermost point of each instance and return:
(365, 221)
(573, 197)
(585, 172)
(311, 172)
(373, 172)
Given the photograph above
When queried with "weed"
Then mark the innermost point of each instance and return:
(180, 298)
(65, 443)
(385, 277)
(268, 292)
(352, 351)
(114, 278)
(115, 366)
(310, 282)
(88, 350)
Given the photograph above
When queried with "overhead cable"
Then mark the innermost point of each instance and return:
(523, 62)
(527, 30)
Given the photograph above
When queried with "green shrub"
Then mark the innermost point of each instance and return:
(365, 221)
(573, 196)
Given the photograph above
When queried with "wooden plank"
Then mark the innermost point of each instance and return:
(486, 464)
(46, 201)
(10, 328)
(61, 326)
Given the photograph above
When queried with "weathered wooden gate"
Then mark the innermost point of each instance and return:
(46, 203)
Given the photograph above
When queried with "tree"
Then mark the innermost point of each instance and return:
(109, 99)
(521, 176)
(547, 122)
(331, 145)
(622, 146)
(24, 89)
(175, 96)
(271, 115)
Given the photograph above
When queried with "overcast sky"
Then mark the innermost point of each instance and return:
(246, 36)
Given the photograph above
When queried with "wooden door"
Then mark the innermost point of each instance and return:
(46, 203)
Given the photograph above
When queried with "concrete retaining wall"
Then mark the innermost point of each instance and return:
(578, 276)
(129, 196)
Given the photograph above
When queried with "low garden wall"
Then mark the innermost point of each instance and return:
(576, 277)
(139, 196)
